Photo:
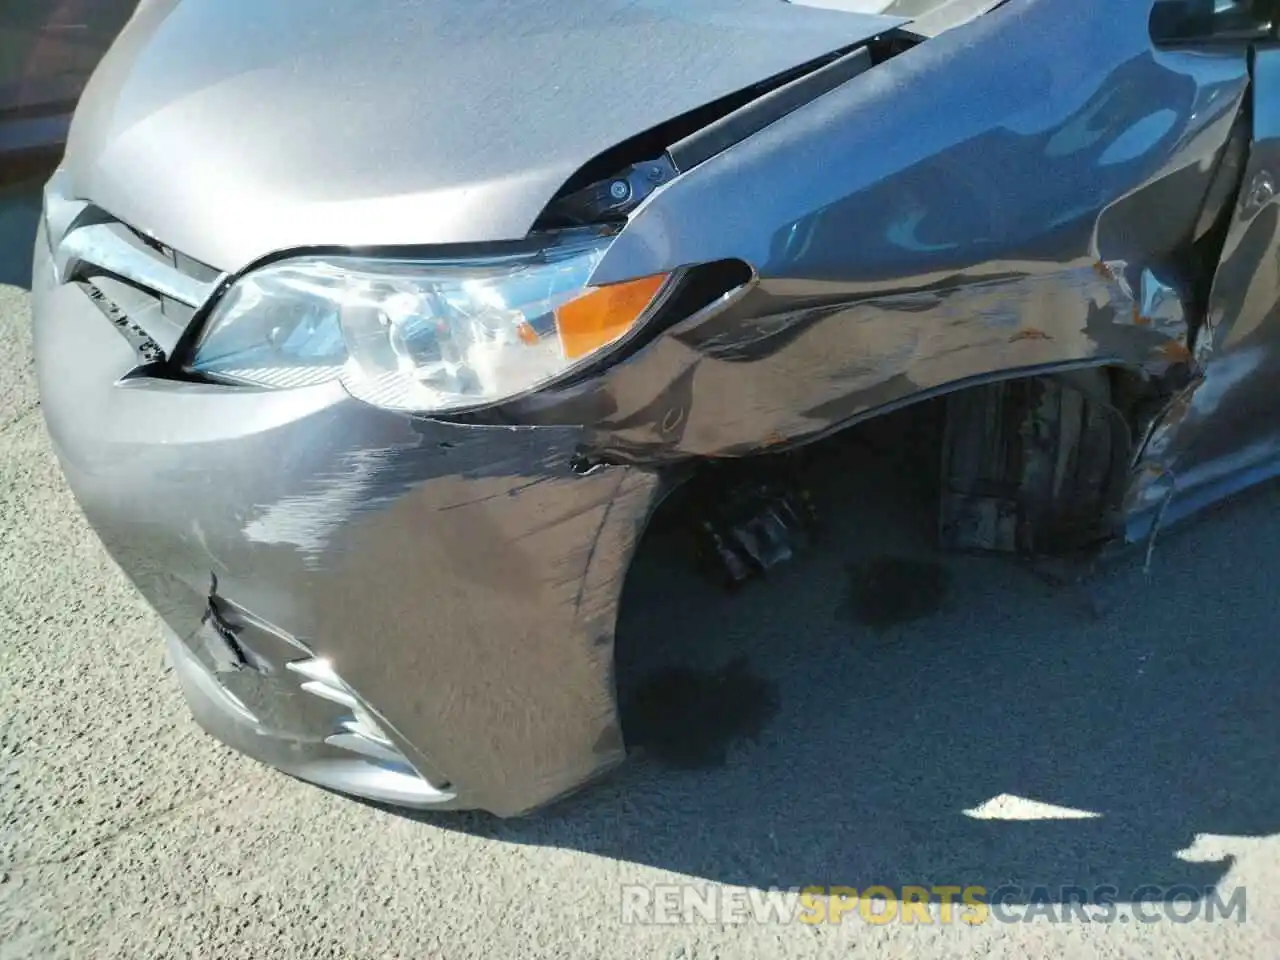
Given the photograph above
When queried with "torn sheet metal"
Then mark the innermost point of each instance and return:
(1219, 435)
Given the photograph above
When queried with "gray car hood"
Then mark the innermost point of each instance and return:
(229, 129)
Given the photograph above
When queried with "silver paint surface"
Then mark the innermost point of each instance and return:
(236, 128)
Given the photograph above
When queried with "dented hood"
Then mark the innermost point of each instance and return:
(229, 129)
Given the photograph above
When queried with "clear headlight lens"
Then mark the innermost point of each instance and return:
(418, 335)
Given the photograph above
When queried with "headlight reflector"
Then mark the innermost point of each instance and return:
(422, 335)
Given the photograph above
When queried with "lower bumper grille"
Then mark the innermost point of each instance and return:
(358, 731)
(251, 685)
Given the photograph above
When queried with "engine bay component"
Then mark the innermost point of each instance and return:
(616, 196)
(1034, 465)
(747, 524)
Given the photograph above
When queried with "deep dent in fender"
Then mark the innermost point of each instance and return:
(886, 275)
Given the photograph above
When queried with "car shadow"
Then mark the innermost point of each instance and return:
(879, 714)
(19, 218)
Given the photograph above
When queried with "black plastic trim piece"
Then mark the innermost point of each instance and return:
(754, 116)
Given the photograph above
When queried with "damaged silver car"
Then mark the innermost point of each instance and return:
(371, 336)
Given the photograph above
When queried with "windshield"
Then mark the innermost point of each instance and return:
(1173, 20)
(889, 8)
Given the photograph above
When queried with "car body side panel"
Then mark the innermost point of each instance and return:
(1222, 433)
(982, 204)
(1008, 139)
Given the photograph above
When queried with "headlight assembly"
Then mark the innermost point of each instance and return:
(423, 336)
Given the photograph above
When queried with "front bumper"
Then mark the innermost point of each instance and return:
(463, 581)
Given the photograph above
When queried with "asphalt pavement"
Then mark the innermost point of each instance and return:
(1018, 734)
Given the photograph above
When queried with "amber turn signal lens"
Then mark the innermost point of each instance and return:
(604, 314)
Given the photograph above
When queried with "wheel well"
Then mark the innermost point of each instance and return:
(1031, 464)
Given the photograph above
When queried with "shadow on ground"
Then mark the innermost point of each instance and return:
(19, 216)
(788, 736)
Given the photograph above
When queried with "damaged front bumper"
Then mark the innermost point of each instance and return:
(459, 583)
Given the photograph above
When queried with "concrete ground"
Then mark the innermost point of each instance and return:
(1014, 734)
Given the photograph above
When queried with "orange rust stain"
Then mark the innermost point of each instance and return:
(1139, 319)
(1174, 351)
(1030, 333)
